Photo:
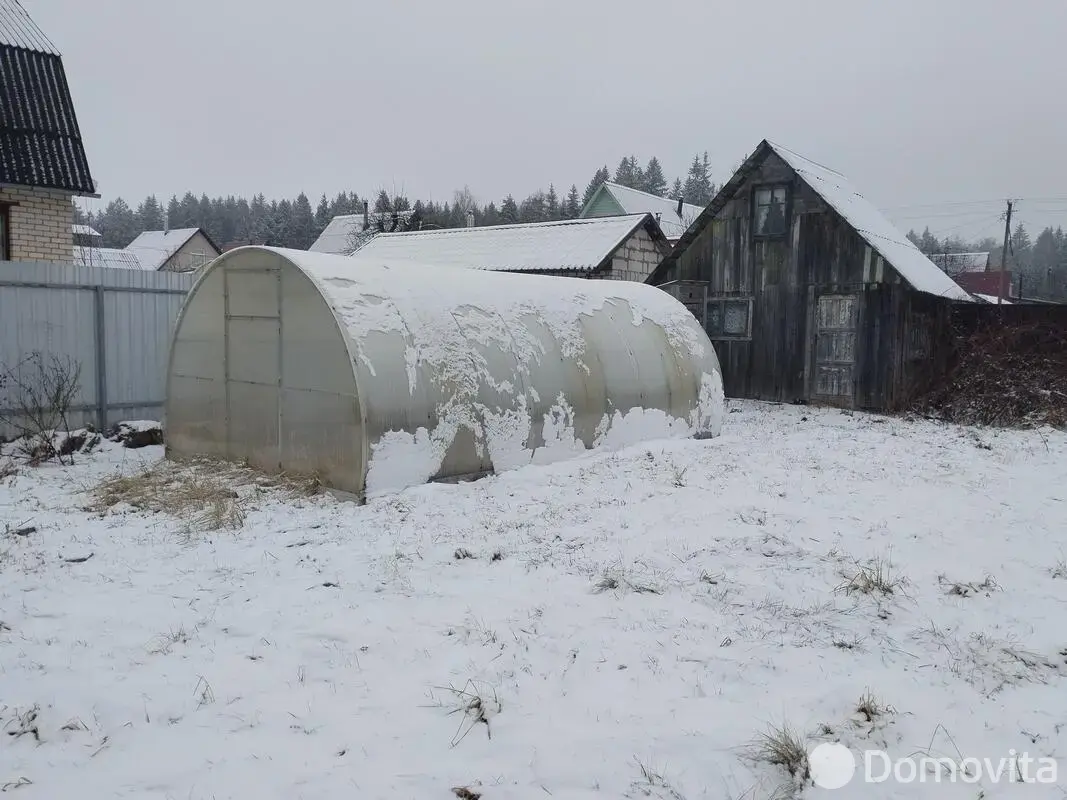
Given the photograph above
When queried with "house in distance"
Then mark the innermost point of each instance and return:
(179, 250)
(812, 295)
(613, 199)
(615, 248)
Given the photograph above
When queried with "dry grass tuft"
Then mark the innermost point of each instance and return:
(1059, 570)
(783, 747)
(653, 783)
(962, 589)
(876, 577)
(202, 493)
(870, 708)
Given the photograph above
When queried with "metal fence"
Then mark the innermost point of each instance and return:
(114, 324)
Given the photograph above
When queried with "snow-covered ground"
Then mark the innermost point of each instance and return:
(631, 623)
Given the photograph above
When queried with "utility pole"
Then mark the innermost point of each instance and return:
(1004, 255)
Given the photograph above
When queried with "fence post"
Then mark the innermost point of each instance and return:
(101, 362)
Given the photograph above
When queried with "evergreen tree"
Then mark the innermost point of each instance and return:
(259, 220)
(117, 224)
(150, 214)
(382, 203)
(677, 191)
(929, 243)
(552, 209)
(1020, 249)
(655, 182)
(601, 177)
(322, 215)
(302, 224)
(698, 188)
(534, 208)
(572, 206)
(914, 238)
(509, 211)
(490, 215)
(630, 174)
(174, 211)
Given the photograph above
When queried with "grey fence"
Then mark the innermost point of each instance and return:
(114, 324)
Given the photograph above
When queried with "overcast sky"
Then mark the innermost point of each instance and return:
(919, 102)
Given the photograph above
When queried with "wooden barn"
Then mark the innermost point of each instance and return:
(812, 295)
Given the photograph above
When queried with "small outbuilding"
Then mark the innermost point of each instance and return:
(613, 199)
(610, 248)
(376, 378)
(812, 295)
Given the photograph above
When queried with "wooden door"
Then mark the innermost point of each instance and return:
(834, 379)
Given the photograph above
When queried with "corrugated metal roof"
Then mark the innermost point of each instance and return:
(634, 201)
(153, 248)
(343, 232)
(40, 142)
(19, 30)
(83, 230)
(578, 245)
(872, 225)
(105, 257)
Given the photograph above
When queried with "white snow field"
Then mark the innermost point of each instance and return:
(617, 626)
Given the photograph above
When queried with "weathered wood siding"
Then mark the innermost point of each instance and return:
(866, 360)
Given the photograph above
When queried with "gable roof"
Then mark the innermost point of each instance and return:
(576, 245)
(40, 142)
(106, 257)
(634, 201)
(836, 191)
(154, 248)
(343, 231)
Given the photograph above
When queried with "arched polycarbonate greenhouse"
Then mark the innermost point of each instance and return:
(376, 378)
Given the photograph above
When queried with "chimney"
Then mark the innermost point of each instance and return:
(679, 208)
(166, 223)
(366, 214)
(470, 217)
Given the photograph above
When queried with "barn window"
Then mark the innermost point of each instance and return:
(730, 318)
(770, 210)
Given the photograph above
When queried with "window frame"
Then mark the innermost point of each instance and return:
(5, 231)
(787, 209)
(722, 301)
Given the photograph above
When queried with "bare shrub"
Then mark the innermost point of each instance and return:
(39, 394)
(476, 705)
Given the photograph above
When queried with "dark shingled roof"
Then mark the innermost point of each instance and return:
(40, 143)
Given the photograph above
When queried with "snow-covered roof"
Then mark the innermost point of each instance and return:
(153, 248)
(17, 29)
(991, 298)
(634, 201)
(955, 263)
(914, 267)
(84, 230)
(105, 257)
(578, 245)
(343, 231)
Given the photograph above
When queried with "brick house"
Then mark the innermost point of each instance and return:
(624, 248)
(42, 159)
